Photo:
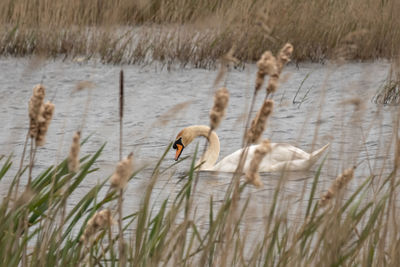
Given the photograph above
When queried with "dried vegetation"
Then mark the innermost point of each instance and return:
(198, 32)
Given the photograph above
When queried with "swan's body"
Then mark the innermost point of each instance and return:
(281, 157)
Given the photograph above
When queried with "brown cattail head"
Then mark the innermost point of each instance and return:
(100, 220)
(35, 107)
(259, 122)
(44, 122)
(272, 84)
(103, 218)
(73, 158)
(252, 175)
(122, 172)
(284, 56)
(266, 66)
(337, 185)
(221, 99)
(267, 63)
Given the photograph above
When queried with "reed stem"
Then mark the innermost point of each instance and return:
(122, 256)
(21, 163)
(121, 111)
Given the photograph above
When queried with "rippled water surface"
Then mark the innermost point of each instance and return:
(322, 112)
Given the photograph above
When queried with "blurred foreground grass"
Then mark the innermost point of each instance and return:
(352, 230)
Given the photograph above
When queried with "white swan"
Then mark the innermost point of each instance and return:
(281, 157)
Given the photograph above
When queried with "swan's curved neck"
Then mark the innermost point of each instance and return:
(211, 155)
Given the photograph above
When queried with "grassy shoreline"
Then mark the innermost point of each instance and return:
(199, 33)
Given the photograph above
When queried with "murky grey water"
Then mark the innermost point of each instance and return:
(322, 116)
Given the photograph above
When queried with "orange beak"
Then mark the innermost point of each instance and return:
(179, 149)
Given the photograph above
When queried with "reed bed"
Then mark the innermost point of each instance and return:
(338, 228)
(199, 32)
(348, 231)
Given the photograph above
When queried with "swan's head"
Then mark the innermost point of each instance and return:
(184, 138)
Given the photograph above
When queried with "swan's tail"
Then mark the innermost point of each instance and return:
(314, 156)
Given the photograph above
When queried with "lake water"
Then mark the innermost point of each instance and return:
(320, 114)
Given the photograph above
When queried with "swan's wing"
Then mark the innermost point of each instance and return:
(294, 165)
(283, 153)
(297, 164)
(279, 153)
(229, 163)
(282, 156)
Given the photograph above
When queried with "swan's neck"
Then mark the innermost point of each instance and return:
(211, 155)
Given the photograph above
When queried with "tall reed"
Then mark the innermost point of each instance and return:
(121, 176)
(210, 28)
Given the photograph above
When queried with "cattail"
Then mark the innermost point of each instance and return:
(283, 58)
(122, 172)
(259, 122)
(35, 107)
(100, 220)
(337, 185)
(221, 99)
(273, 84)
(266, 66)
(73, 158)
(252, 175)
(44, 122)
